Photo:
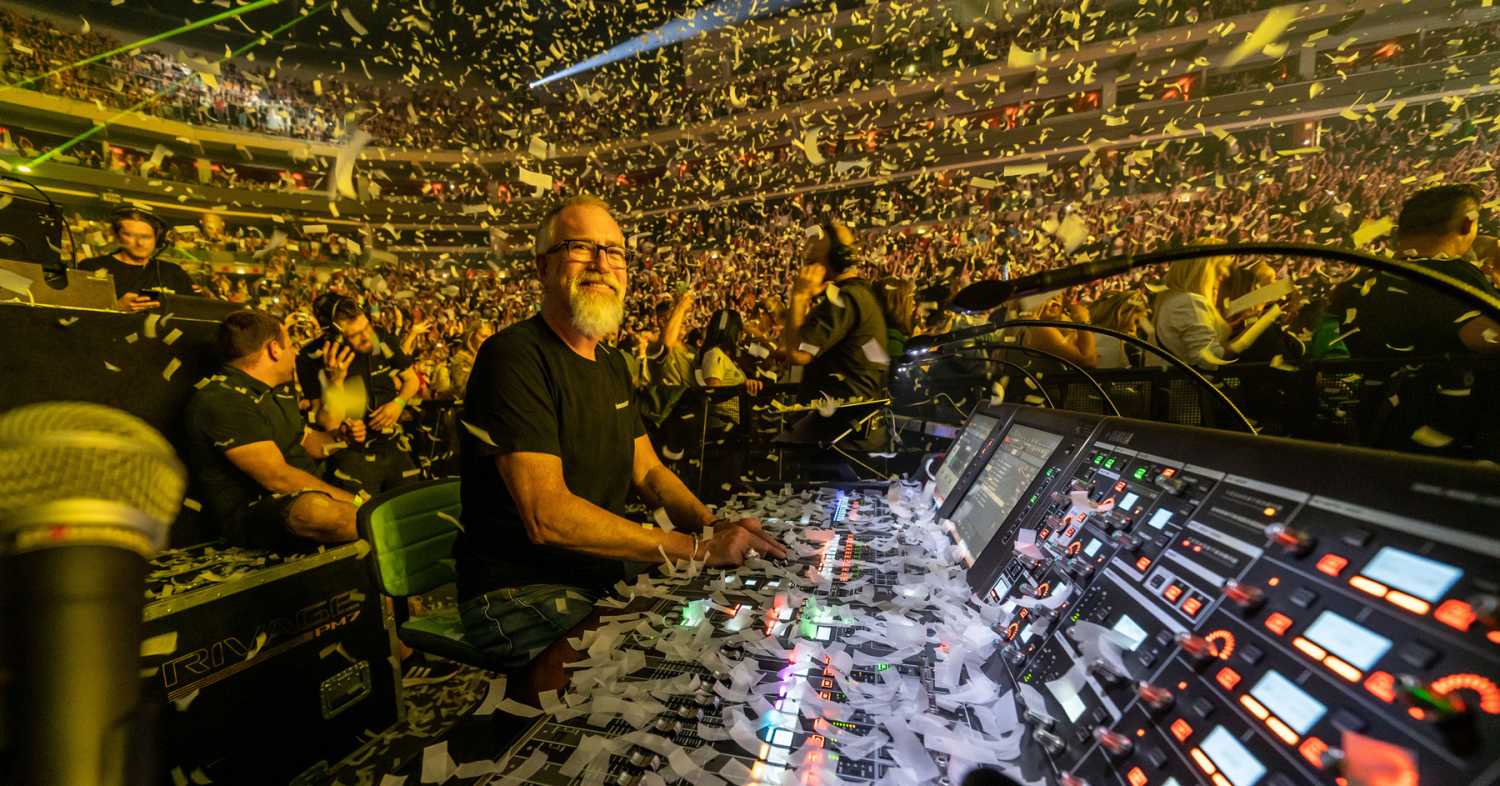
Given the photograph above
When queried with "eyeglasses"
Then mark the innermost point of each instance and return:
(588, 251)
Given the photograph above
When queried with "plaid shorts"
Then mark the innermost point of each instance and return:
(514, 624)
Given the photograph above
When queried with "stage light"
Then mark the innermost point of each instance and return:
(714, 16)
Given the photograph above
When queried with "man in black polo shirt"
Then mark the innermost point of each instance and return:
(552, 445)
(835, 330)
(376, 371)
(254, 459)
(1397, 316)
(135, 267)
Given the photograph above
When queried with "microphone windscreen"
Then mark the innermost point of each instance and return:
(74, 450)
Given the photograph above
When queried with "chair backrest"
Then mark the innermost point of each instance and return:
(411, 532)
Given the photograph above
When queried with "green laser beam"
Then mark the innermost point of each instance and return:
(169, 89)
(230, 14)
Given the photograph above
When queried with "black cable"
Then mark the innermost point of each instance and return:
(985, 295)
(56, 211)
(1070, 364)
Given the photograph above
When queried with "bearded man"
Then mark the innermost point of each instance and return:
(552, 445)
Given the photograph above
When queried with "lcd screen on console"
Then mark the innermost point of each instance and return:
(1014, 465)
(963, 451)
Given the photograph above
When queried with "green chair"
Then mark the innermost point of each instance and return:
(411, 532)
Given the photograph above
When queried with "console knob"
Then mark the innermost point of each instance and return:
(1039, 721)
(1156, 699)
(1173, 485)
(1126, 542)
(1199, 651)
(688, 712)
(1114, 743)
(1453, 717)
(1247, 597)
(1292, 541)
(665, 725)
(1105, 673)
(1081, 567)
(1069, 779)
(1051, 743)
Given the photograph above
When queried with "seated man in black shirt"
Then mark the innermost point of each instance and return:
(135, 267)
(835, 330)
(254, 459)
(375, 375)
(552, 445)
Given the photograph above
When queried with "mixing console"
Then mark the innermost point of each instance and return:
(1096, 601)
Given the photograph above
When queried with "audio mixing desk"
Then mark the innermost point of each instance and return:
(1069, 600)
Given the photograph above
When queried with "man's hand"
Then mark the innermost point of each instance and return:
(754, 386)
(384, 416)
(732, 542)
(336, 360)
(809, 281)
(131, 301)
(353, 430)
(1079, 313)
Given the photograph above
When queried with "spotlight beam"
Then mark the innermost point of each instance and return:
(715, 16)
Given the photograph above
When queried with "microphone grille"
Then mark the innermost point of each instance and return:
(78, 450)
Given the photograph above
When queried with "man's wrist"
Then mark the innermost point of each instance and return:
(399, 401)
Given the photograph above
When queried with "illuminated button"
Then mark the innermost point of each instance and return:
(781, 737)
(1172, 592)
(1278, 623)
(1369, 586)
(1312, 749)
(1192, 606)
(1339, 667)
(1382, 686)
(1455, 614)
(1227, 678)
(1135, 777)
(1181, 730)
(823, 633)
(1203, 762)
(1256, 708)
(1142, 563)
(1309, 649)
(1282, 731)
(1404, 601)
(1332, 564)
(1219, 779)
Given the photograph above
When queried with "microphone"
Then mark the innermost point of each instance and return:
(87, 493)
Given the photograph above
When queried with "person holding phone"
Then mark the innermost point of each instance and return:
(140, 276)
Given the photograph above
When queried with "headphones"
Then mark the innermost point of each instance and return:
(163, 232)
(329, 304)
(840, 254)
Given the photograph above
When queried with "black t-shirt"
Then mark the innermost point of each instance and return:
(156, 274)
(1397, 316)
(232, 409)
(846, 335)
(530, 393)
(379, 372)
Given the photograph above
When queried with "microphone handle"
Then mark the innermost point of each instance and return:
(70, 637)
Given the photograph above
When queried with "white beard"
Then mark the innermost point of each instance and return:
(595, 314)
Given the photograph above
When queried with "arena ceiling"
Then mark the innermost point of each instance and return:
(482, 43)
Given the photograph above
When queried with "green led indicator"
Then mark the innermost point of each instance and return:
(1109, 464)
(1099, 458)
(882, 666)
(1076, 615)
(1140, 473)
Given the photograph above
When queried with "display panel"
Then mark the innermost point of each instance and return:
(964, 450)
(1427, 579)
(1014, 465)
(1349, 640)
(1288, 702)
(1237, 764)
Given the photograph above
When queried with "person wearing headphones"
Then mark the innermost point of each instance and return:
(835, 330)
(359, 381)
(139, 273)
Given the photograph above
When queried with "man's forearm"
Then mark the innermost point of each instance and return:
(663, 488)
(290, 480)
(571, 522)
(409, 385)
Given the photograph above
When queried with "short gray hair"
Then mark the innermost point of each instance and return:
(546, 229)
